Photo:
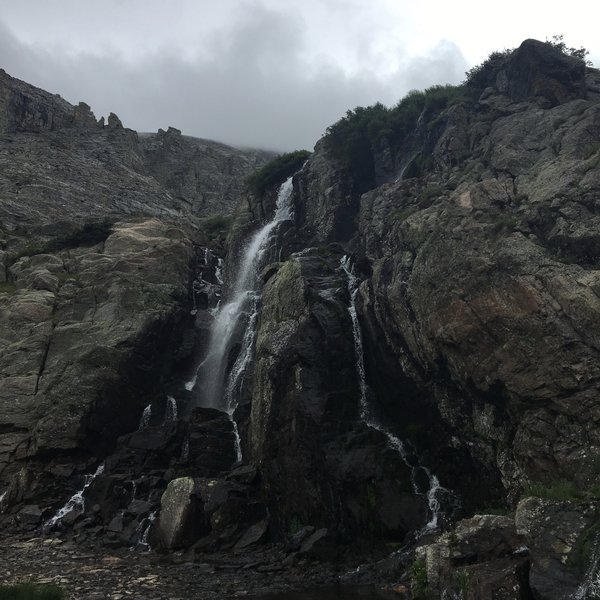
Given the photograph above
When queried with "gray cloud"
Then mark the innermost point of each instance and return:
(252, 84)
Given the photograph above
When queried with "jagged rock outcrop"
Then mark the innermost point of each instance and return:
(58, 164)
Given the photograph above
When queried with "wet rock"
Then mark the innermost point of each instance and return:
(211, 442)
(478, 559)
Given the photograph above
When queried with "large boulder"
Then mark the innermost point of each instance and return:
(180, 521)
(562, 537)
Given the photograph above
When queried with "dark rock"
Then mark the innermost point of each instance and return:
(318, 545)
(538, 69)
(246, 474)
(560, 537)
(30, 515)
(299, 537)
(252, 535)
(114, 122)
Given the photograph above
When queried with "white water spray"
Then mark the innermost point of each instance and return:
(409, 459)
(171, 412)
(145, 420)
(590, 587)
(144, 530)
(237, 318)
(75, 502)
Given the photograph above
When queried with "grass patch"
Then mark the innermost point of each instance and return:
(31, 591)
(417, 574)
(7, 288)
(276, 171)
(401, 214)
(563, 490)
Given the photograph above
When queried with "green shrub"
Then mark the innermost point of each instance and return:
(216, 223)
(483, 75)
(418, 579)
(276, 171)
(31, 591)
(355, 139)
(581, 53)
(564, 490)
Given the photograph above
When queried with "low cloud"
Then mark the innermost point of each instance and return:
(252, 84)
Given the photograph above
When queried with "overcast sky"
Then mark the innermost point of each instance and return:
(265, 73)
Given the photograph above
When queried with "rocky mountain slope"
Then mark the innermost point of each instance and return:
(424, 349)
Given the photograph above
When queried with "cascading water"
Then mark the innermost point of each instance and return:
(171, 411)
(409, 457)
(590, 588)
(237, 319)
(146, 415)
(75, 502)
(144, 530)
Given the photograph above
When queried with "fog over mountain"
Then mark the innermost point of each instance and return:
(256, 72)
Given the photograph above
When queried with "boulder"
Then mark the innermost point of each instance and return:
(562, 539)
(180, 522)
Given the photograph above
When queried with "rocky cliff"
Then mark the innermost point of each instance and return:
(423, 348)
(476, 240)
(100, 233)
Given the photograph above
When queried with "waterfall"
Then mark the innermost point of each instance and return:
(171, 411)
(590, 587)
(237, 317)
(145, 420)
(143, 530)
(408, 457)
(75, 502)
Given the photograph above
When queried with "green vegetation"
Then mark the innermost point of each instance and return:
(581, 53)
(564, 490)
(31, 591)
(483, 75)
(506, 221)
(582, 554)
(355, 139)
(7, 288)
(480, 76)
(418, 580)
(295, 525)
(462, 580)
(216, 227)
(276, 171)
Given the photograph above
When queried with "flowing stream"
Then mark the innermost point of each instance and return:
(409, 457)
(75, 502)
(237, 320)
